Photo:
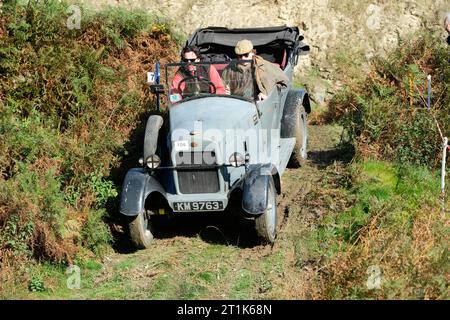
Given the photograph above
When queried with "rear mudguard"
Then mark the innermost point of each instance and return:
(299, 97)
(138, 184)
(255, 185)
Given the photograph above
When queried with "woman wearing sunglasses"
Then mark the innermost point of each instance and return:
(194, 78)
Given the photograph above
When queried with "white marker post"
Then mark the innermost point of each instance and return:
(151, 78)
(444, 156)
(429, 91)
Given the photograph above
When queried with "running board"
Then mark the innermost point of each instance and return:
(286, 147)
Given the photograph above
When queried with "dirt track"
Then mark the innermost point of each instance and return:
(217, 256)
(204, 256)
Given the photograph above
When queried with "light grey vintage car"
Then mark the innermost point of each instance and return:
(211, 144)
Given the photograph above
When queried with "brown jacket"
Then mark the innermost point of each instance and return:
(268, 75)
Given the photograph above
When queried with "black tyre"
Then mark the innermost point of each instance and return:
(299, 154)
(294, 124)
(266, 224)
(141, 230)
(154, 123)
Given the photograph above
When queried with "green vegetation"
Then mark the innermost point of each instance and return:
(393, 223)
(376, 112)
(71, 105)
(70, 100)
(183, 271)
(389, 219)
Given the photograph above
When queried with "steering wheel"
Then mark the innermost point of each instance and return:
(197, 79)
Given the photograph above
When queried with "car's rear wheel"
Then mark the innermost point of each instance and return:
(294, 124)
(141, 230)
(299, 154)
(266, 224)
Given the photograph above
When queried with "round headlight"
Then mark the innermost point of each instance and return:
(153, 161)
(236, 159)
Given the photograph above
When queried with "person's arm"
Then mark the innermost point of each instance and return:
(267, 76)
(215, 78)
(174, 95)
(226, 80)
(175, 82)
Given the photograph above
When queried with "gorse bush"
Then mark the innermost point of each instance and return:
(376, 110)
(70, 100)
(95, 234)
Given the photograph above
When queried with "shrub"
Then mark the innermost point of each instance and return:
(36, 285)
(69, 103)
(392, 227)
(376, 110)
(95, 233)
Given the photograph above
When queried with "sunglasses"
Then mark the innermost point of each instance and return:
(190, 60)
(243, 55)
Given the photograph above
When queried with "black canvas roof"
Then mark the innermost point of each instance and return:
(259, 36)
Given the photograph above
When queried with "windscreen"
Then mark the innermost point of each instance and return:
(233, 79)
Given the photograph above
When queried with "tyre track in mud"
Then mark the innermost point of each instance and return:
(297, 183)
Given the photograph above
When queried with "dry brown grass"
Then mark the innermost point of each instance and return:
(412, 265)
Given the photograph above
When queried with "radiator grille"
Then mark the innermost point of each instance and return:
(197, 177)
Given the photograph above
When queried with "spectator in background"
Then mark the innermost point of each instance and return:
(447, 26)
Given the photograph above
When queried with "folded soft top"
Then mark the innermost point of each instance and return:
(290, 36)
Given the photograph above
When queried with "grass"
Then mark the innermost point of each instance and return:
(392, 222)
(201, 273)
(376, 111)
(381, 214)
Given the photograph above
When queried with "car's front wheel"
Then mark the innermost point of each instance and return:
(266, 223)
(141, 230)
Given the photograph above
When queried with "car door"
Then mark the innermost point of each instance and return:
(269, 120)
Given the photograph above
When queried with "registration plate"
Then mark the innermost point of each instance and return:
(198, 206)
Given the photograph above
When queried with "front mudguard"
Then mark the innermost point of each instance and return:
(137, 185)
(255, 186)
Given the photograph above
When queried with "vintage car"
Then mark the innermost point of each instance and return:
(212, 145)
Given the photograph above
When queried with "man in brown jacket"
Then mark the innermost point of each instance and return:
(267, 75)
